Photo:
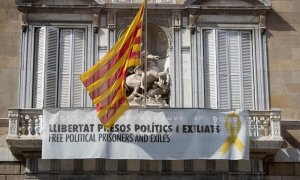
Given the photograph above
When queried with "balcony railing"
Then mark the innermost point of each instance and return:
(264, 124)
(26, 124)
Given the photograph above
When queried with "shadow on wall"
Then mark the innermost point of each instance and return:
(290, 137)
(275, 22)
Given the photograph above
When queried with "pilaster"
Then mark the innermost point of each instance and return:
(176, 74)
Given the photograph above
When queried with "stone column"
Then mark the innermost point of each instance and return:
(111, 25)
(176, 71)
(14, 118)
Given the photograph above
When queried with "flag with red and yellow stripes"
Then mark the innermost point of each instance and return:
(104, 81)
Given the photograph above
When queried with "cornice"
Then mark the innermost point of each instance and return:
(196, 7)
(93, 5)
(34, 5)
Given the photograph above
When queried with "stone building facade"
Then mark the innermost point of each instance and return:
(257, 38)
(10, 20)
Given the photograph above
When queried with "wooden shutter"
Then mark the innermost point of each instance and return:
(78, 60)
(65, 67)
(228, 69)
(51, 67)
(45, 68)
(223, 71)
(246, 59)
(234, 58)
(209, 54)
(39, 68)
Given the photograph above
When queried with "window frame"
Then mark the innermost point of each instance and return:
(26, 80)
(217, 73)
(261, 94)
(259, 62)
(71, 70)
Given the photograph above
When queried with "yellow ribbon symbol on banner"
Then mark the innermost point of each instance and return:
(232, 131)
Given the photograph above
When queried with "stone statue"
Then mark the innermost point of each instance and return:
(157, 84)
(159, 89)
(133, 81)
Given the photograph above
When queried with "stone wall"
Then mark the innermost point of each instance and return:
(142, 169)
(11, 171)
(10, 167)
(282, 171)
(10, 27)
(283, 24)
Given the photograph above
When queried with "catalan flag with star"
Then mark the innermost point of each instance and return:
(105, 81)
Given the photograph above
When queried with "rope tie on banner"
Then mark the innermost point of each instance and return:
(232, 131)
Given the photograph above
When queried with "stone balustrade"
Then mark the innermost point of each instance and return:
(25, 130)
(25, 122)
(264, 124)
(29, 122)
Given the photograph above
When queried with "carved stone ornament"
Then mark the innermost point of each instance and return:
(262, 23)
(275, 119)
(13, 114)
(158, 84)
(111, 19)
(14, 127)
(192, 22)
(176, 21)
(13, 118)
(150, 83)
(24, 24)
(95, 22)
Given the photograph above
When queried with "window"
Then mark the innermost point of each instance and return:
(58, 62)
(228, 69)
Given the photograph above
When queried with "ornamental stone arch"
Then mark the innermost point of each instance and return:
(163, 32)
(160, 40)
(158, 47)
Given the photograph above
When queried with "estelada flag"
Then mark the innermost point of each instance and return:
(105, 81)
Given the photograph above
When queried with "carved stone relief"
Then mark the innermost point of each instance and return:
(176, 20)
(262, 23)
(111, 19)
(14, 117)
(155, 79)
(164, 25)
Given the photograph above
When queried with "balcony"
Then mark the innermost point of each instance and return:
(25, 131)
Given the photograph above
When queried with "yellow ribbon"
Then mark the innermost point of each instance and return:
(232, 131)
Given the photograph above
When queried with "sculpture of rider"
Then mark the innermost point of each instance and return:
(157, 81)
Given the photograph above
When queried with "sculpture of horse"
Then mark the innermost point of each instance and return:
(136, 81)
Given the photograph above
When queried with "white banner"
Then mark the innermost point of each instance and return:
(160, 134)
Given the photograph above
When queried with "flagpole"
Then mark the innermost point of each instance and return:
(146, 50)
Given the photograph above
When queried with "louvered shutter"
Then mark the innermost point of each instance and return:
(234, 59)
(51, 67)
(223, 71)
(78, 60)
(39, 67)
(65, 67)
(209, 54)
(246, 59)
